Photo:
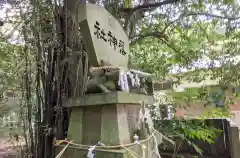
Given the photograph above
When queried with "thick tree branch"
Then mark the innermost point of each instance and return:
(211, 15)
(149, 6)
(156, 34)
(1, 23)
(131, 11)
(162, 37)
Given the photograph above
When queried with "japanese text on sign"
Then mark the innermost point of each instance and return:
(109, 38)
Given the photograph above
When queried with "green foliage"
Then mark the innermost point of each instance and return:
(191, 129)
(187, 130)
(150, 57)
(216, 113)
(10, 69)
(195, 35)
(10, 65)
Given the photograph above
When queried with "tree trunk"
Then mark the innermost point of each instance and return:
(67, 78)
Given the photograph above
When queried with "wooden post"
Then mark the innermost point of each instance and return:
(234, 142)
(143, 130)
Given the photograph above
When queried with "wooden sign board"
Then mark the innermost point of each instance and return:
(104, 37)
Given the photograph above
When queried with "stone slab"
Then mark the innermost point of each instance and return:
(118, 97)
(103, 36)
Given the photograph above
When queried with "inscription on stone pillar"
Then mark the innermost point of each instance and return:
(104, 36)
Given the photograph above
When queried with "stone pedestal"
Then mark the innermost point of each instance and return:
(107, 117)
(111, 118)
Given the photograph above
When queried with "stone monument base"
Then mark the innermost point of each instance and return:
(111, 118)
